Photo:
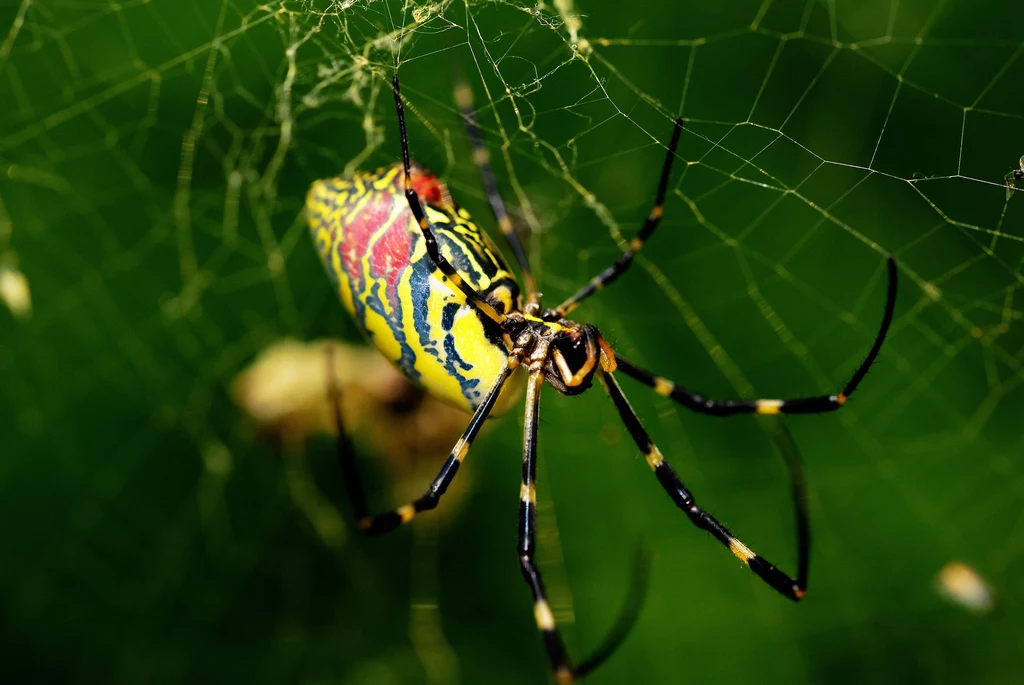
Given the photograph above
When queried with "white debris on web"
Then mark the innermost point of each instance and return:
(570, 16)
(14, 289)
(962, 585)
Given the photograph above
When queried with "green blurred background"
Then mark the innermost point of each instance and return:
(153, 162)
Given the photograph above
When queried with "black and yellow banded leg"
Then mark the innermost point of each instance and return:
(804, 405)
(650, 223)
(794, 589)
(542, 613)
(388, 521)
(561, 666)
(482, 159)
(454, 279)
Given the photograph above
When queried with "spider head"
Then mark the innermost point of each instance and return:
(573, 358)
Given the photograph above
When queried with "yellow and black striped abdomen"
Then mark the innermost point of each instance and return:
(376, 256)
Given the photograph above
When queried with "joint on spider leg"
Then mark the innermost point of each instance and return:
(504, 223)
(698, 516)
(480, 157)
(769, 406)
(463, 96)
(384, 523)
(515, 357)
(543, 615)
(461, 450)
(744, 553)
(653, 456)
(663, 386)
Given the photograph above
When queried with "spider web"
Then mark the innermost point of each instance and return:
(155, 157)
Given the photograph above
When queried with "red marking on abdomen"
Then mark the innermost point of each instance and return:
(389, 255)
(426, 185)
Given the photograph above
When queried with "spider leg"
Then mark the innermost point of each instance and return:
(455, 281)
(387, 521)
(542, 613)
(798, 488)
(805, 405)
(482, 159)
(650, 223)
(343, 448)
(794, 589)
(557, 656)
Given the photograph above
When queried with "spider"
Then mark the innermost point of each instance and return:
(433, 294)
(1014, 175)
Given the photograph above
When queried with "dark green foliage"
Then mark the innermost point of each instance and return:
(154, 159)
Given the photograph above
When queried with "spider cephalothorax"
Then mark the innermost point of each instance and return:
(432, 292)
(566, 352)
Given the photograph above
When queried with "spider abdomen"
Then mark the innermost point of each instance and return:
(376, 256)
